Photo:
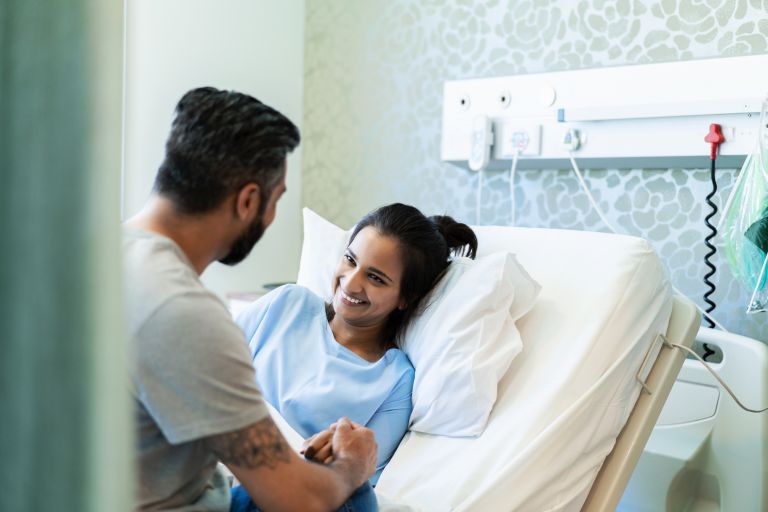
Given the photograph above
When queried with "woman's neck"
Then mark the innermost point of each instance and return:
(364, 341)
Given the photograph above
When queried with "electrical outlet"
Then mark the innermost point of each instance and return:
(524, 138)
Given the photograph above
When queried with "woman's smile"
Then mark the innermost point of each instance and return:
(349, 299)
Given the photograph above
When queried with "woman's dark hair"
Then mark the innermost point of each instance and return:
(426, 248)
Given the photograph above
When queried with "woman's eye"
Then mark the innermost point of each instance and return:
(376, 278)
(349, 259)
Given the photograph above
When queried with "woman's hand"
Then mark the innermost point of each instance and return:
(318, 448)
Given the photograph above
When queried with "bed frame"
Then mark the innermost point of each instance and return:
(618, 466)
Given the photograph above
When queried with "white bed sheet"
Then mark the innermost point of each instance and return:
(565, 398)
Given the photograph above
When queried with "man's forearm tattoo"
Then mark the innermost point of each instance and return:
(259, 445)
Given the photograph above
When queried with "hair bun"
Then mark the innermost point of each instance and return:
(460, 238)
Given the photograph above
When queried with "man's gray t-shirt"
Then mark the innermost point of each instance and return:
(192, 376)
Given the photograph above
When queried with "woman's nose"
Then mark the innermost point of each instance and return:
(355, 281)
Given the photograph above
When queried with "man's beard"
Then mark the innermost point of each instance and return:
(241, 248)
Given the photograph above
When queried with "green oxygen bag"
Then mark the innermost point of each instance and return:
(744, 223)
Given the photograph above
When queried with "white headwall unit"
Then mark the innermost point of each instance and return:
(629, 116)
(252, 46)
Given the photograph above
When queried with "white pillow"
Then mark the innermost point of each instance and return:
(463, 340)
(324, 243)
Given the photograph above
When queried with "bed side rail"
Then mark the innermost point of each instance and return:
(618, 466)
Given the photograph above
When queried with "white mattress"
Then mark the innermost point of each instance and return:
(565, 398)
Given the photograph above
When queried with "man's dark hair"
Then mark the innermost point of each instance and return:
(220, 141)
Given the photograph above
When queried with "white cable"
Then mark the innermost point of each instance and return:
(613, 230)
(479, 196)
(589, 194)
(716, 376)
(512, 172)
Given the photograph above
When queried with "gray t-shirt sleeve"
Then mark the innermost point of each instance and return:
(194, 373)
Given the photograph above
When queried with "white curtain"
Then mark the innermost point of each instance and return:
(65, 414)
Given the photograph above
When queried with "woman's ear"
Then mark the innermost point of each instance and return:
(402, 306)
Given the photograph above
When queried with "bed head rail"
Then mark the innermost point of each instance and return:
(620, 463)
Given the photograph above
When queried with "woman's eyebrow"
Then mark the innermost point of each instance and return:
(380, 273)
(372, 269)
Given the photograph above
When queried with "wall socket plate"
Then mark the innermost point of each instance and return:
(511, 136)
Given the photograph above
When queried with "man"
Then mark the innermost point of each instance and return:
(214, 195)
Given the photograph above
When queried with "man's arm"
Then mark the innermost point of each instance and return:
(277, 479)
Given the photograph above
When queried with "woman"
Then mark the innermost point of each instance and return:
(316, 362)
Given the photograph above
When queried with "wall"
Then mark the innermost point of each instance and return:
(255, 47)
(373, 85)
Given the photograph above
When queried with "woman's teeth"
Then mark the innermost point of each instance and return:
(350, 299)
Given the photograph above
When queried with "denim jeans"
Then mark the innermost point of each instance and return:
(362, 500)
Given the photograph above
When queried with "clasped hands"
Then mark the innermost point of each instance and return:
(343, 439)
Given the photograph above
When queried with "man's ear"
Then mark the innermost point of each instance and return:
(248, 202)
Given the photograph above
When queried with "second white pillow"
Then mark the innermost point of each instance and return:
(464, 342)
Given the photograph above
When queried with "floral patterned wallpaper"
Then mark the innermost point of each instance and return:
(373, 89)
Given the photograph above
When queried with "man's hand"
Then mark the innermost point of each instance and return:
(354, 447)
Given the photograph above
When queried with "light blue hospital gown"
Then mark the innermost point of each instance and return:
(313, 380)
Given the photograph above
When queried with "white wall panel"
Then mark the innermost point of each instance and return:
(252, 46)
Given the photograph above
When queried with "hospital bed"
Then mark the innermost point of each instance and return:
(577, 406)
